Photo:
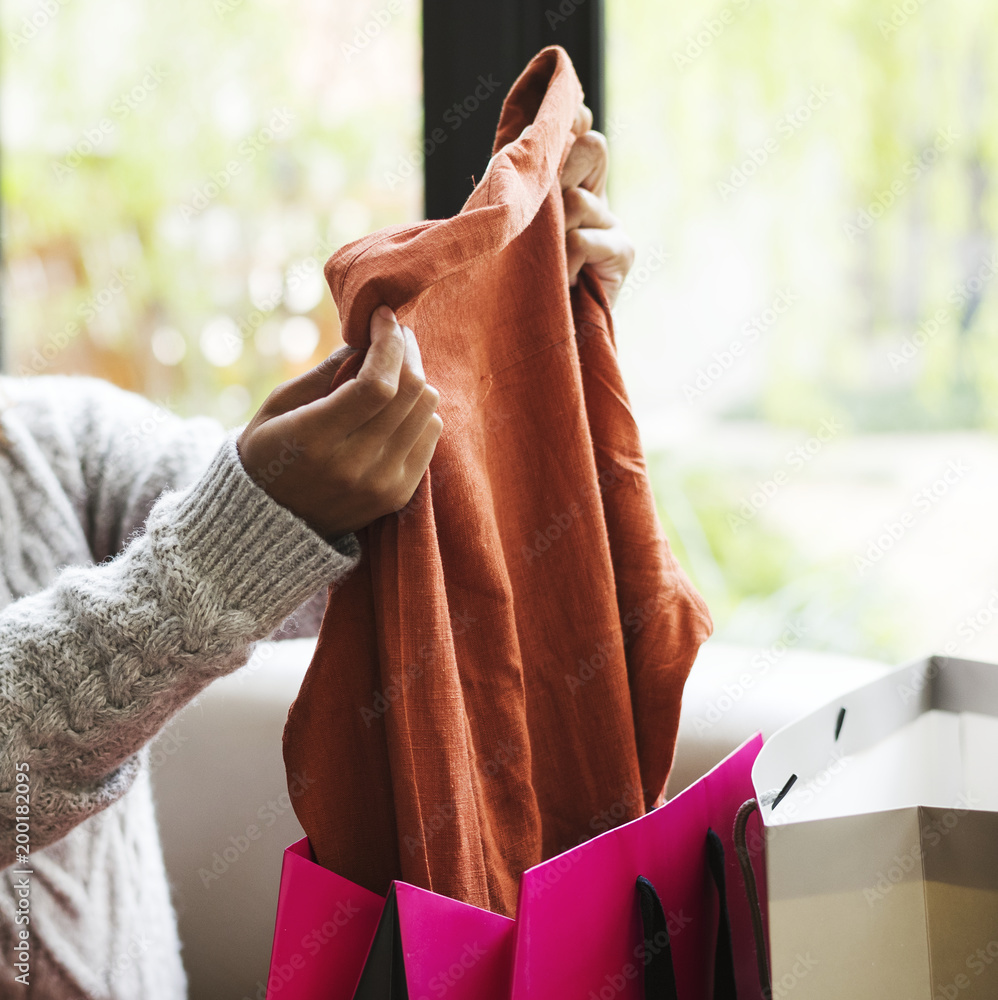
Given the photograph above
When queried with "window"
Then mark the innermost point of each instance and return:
(175, 175)
(809, 336)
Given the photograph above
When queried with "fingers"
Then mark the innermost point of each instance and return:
(586, 165)
(383, 363)
(412, 428)
(359, 451)
(331, 365)
(608, 250)
(360, 399)
(583, 210)
(583, 120)
(593, 235)
(422, 451)
(410, 389)
(309, 386)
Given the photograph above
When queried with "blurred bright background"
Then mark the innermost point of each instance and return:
(809, 334)
(175, 175)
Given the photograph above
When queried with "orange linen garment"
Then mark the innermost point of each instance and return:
(501, 676)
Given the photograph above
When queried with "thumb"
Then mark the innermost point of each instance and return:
(310, 386)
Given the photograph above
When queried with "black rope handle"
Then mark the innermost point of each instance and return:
(752, 891)
(660, 977)
(724, 956)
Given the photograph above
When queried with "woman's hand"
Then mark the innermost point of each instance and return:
(593, 234)
(340, 460)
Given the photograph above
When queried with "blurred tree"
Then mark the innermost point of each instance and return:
(175, 175)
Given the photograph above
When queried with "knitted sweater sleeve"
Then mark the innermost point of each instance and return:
(128, 450)
(92, 666)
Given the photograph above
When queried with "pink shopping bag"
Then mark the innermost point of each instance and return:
(643, 905)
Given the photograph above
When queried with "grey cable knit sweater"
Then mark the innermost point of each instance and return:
(139, 562)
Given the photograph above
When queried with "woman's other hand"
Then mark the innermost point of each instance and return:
(593, 234)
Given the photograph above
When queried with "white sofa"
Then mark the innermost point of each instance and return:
(226, 818)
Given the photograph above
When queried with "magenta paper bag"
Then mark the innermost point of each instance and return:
(324, 929)
(429, 946)
(579, 932)
(644, 909)
(337, 941)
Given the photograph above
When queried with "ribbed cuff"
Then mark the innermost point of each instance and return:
(235, 537)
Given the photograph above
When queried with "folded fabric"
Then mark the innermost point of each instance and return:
(501, 676)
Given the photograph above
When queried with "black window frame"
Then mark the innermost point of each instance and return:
(473, 50)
